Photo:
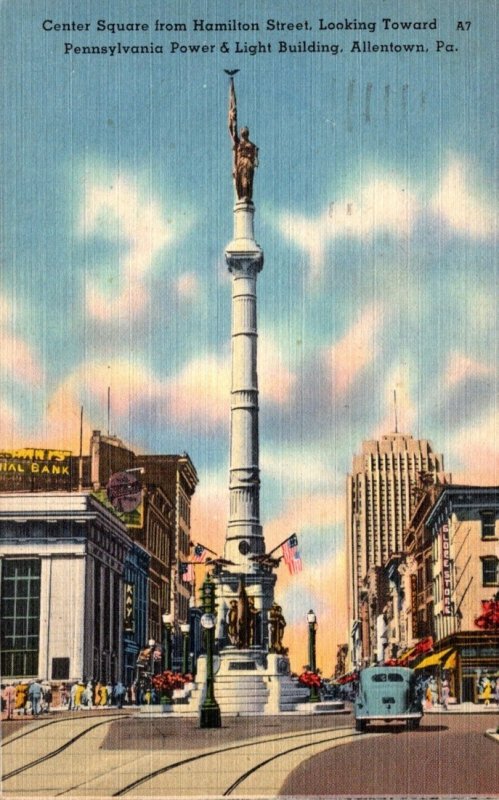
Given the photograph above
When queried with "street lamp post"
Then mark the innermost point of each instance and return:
(185, 630)
(312, 627)
(167, 644)
(151, 643)
(210, 711)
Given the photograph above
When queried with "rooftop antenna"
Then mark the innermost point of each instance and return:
(80, 460)
(108, 408)
(395, 408)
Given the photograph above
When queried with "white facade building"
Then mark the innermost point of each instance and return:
(61, 560)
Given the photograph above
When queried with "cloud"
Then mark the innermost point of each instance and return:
(275, 381)
(135, 224)
(457, 204)
(385, 204)
(8, 425)
(210, 509)
(5, 309)
(201, 390)
(462, 368)
(187, 286)
(18, 361)
(305, 510)
(355, 351)
(476, 448)
(379, 205)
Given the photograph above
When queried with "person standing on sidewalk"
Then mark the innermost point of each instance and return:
(35, 697)
(119, 694)
(9, 698)
(445, 694)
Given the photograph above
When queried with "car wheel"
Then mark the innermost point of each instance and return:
(360, 725)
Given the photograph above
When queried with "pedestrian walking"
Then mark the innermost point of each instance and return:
(79, 689)
(110, 693)
(487, 692)
(47, 698)
(35, 696)
(496, 692)
(88, 695)
(63, 695)
(21, 697)
(9, 700)
(119, 694)
(445, 694)
(103, 695)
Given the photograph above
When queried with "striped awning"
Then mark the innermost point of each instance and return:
(434, 659)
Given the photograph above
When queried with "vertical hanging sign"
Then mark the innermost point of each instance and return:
(446, 576)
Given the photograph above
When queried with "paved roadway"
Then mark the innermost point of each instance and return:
(85, 755)
(449, 755)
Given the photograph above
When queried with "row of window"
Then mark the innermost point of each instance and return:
(20, 614)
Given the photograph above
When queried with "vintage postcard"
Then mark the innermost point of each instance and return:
(249, 452)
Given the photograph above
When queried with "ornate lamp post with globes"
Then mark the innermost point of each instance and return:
(312, 628)
(185, 629)
(210, 710)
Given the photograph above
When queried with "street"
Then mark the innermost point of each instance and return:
(119, 754)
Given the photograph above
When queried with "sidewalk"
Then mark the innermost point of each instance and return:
(463, 708)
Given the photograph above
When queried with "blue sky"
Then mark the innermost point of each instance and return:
(376, 202)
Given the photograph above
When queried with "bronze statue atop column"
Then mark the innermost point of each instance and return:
(245, 153)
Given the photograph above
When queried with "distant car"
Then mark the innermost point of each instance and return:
(387, 694)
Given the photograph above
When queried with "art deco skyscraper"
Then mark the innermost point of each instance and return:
(379, 493)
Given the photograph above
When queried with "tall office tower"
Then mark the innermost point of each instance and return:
(380, 495)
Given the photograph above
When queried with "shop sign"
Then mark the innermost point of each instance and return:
(129, 621)
(446, 576)
(414, 605)
(132, 519)
(34, 461)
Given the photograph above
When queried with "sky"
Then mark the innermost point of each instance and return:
(376, 208)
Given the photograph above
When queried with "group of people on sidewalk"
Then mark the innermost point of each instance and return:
(26, 697)
(35, 697)
(92, 694)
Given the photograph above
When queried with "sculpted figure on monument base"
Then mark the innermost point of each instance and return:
(277, 623)
(242, 620)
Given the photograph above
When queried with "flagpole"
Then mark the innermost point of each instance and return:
(281, 544)
(207, 550)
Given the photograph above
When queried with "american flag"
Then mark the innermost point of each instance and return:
(199, 554)
(291, 555)
(186, 571)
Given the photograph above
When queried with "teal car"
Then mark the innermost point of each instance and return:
(387, 694)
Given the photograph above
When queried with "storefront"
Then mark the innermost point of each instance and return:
(469, 661)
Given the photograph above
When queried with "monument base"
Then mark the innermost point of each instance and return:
(249, 682)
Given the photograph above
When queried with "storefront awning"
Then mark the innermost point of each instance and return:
(451, 661)
(434, 659)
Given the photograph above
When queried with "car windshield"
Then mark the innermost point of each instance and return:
(382, 677)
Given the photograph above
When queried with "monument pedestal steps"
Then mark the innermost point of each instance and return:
(247, 682)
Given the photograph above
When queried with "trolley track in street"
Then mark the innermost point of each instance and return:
(47, 756)
(248, 773)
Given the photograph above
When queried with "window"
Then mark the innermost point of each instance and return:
(20, 609)
(490, 571)
(488, 524)
(60, 669)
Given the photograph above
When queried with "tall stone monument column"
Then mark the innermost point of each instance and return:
(245, 260)
(244, 540)
(251, 667)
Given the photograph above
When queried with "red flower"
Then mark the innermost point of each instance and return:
(309, 679)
